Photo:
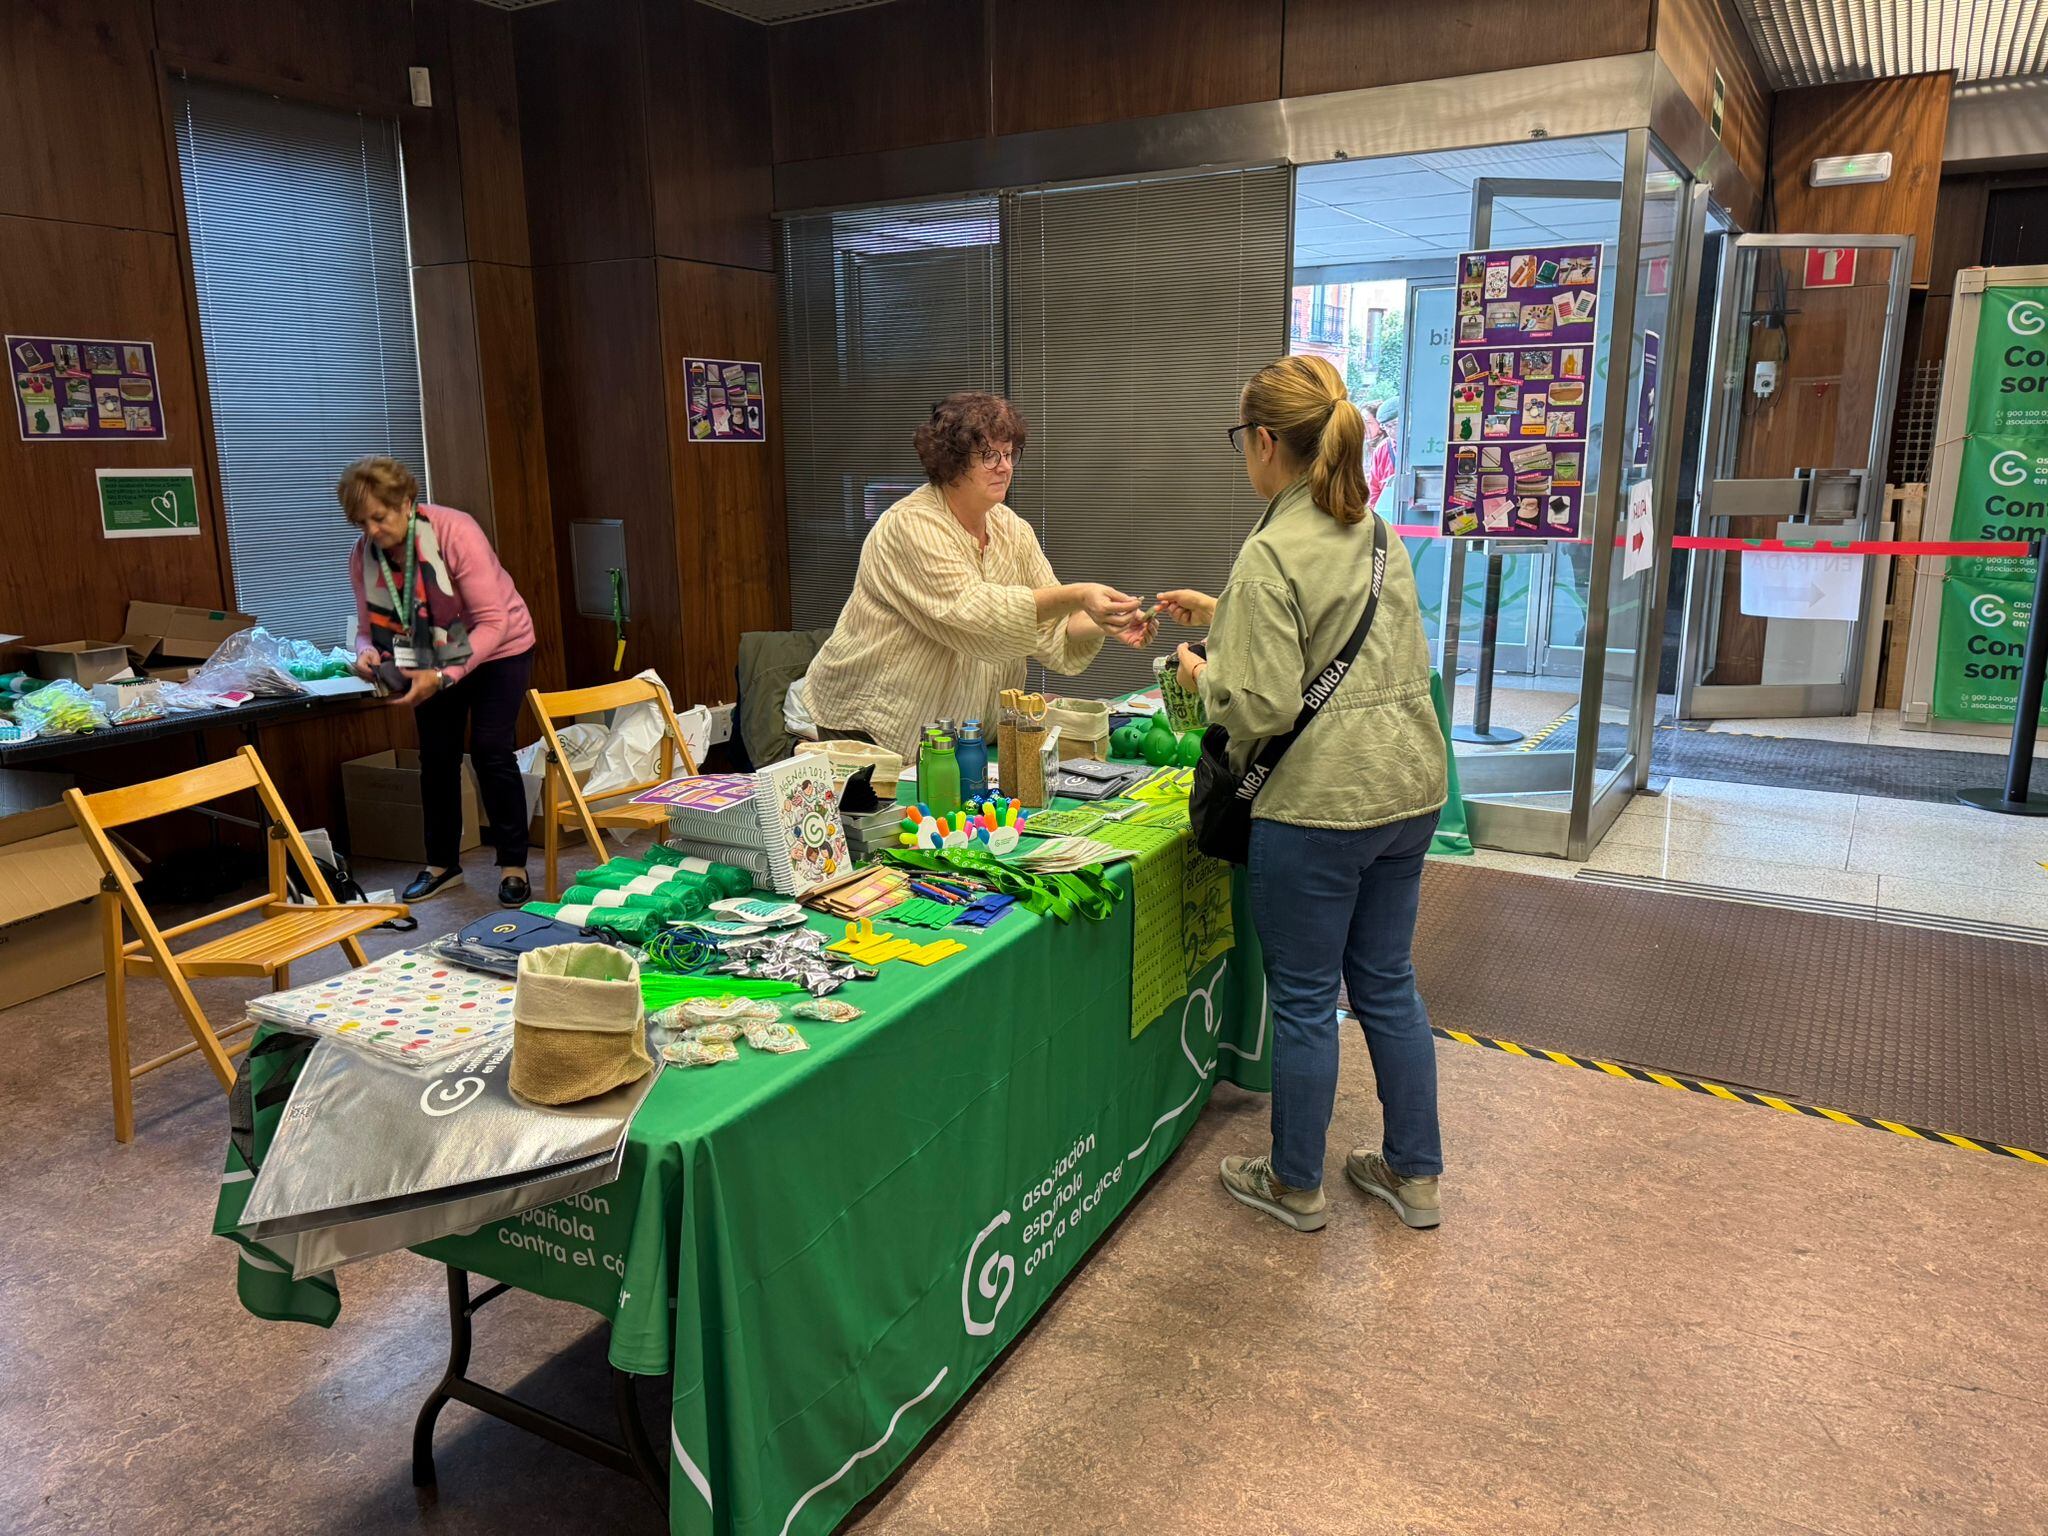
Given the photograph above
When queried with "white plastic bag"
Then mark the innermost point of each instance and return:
(631, 753)
(796, 713)
(580, 743)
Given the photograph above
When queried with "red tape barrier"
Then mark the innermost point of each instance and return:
(1984, 549)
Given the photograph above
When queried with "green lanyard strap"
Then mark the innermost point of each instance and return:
(1090, 892)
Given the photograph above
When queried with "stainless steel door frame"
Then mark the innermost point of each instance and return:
(1667, 458)
(1697, 699)
(1585, 830)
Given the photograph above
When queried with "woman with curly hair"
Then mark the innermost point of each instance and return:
(953, 595)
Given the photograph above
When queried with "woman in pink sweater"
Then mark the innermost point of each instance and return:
(440, 621)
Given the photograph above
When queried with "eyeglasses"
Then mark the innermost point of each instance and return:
(991, 457)
(1242, 426)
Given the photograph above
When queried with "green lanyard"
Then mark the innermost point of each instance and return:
(403, 603)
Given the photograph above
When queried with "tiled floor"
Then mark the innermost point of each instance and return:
(1903, 855)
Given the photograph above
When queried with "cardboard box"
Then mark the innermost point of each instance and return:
(385, 820)
(165, 635)
(49, 932)
(83, 662)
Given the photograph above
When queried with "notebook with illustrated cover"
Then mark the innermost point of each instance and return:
(797, 804)
(712, 808)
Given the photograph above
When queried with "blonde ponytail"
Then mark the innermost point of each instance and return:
(1337, 478)
(1301, 400)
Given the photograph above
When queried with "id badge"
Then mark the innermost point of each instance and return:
(404, 657)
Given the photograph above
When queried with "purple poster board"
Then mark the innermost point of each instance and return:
(1521, 390)
(726, 403)
(1646, 399)
(74, 389)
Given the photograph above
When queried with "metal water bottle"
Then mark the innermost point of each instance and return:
(971, 752)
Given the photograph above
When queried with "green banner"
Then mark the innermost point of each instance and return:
(1983, 637)
(147, 503)
(2009, 379)
(2001, 497)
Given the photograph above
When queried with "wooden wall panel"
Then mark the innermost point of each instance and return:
(432, 143)
(711, 163)
(599, 329)
(1907, 116)
(731, 537)
(73, 583)
(1342, 45)
(1697, 37)
(1059, 63)
(583, 127)
(355, 53)
(452, 389)
(79, 114)
(887, 77)
(522, 517)
(484, 77)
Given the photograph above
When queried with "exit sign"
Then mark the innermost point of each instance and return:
(1831, 266)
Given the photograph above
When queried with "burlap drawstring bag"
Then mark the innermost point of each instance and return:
(578, 1026)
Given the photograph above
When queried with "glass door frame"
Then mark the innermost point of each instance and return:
(1595, 805)
(1697, 698)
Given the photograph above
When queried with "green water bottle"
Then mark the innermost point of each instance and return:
(938, 774)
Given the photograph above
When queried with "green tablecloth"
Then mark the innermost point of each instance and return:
(828, 1248)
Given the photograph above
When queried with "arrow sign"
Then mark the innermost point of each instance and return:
(1785, 586)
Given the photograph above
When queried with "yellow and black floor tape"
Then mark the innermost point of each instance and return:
(1742, 1096)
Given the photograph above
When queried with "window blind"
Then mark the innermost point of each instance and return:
(299, 255)
(884, 312)
(1137, 311)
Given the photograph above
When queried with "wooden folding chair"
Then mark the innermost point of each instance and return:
(576, 810)
(284, 932)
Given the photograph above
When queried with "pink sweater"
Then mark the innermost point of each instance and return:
(492, 609)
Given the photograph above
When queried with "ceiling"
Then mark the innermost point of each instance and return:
(1418, 208)
(753, 10)
(1818, 42)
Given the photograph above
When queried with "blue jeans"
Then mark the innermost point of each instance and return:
(1336, 906)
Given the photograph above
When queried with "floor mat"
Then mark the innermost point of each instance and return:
(1935, 1029)
(1895, 773)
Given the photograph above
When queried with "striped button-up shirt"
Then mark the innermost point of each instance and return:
(937, 626)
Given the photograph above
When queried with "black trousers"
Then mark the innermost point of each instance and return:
(486, 704)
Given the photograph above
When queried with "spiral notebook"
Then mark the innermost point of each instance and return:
(786, 814)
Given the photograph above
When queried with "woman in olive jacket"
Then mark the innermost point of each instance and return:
(1340, 829)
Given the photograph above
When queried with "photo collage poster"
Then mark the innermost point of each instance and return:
(80, 389)
(726, 401)
(1521, 392)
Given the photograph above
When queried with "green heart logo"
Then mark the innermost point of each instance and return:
(165, 505)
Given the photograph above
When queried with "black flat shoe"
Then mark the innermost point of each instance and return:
(426, 883)
(513, 891)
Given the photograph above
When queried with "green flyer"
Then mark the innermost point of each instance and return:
(1983, 638)
(147, 503)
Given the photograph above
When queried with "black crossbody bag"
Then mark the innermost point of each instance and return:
(1220, 803)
